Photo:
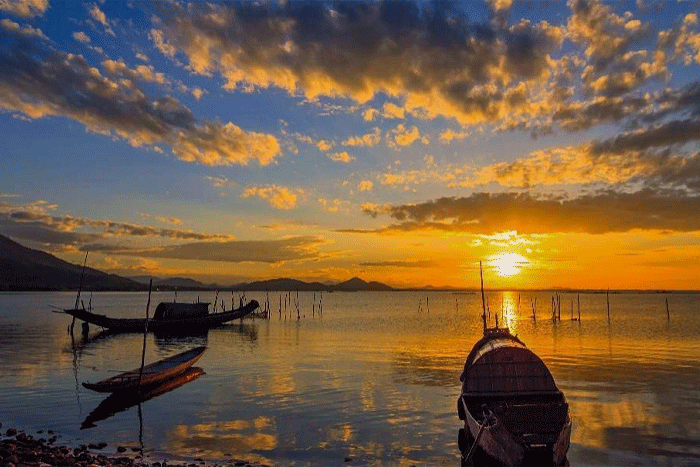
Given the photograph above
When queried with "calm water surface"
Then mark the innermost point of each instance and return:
(375, 378)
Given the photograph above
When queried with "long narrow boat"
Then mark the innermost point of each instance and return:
(168, 317)
(510, 404)
(153, 374)
(120, 401)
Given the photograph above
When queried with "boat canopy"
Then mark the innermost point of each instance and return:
(171, 310)
(495, 344)
(506, 367)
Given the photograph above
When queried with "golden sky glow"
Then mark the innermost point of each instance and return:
(399, 142)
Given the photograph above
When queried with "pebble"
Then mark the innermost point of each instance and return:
(24, 450)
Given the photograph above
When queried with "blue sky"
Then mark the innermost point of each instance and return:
(399, 141)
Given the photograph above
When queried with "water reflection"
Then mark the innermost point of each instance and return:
(411, 367)
(169, 342)
(224, 438)
(119, 402)
(373, 380)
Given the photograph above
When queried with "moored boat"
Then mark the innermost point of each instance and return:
(168, 317)
(153, 374)
(121, 401)
(511, 407)
(510, 404)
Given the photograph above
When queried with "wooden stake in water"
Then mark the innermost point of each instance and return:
(668, 313)
(483, 300)
(80, 287)
(607, 298)
(558, 307)
(578, 301)
(145, 331)
(554, 309)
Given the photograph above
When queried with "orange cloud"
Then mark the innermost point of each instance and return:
(485, 213)
(279, 197)
(272, 48)
(55, 84)
(343, 157)
(365, 185)
(368, 139)
(24, 8)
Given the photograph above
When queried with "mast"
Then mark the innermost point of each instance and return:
(483, 300)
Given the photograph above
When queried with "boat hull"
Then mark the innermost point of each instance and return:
(510, 404)
(179, 325)
(499, 443)
(153, 374)
(119, 402)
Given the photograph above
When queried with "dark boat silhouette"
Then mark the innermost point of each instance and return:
(511, 407)
(168, 317)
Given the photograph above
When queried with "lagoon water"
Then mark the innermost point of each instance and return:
(374, 378)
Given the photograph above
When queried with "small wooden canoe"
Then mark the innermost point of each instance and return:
(153, 374)
(120, 401)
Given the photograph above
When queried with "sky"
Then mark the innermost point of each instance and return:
(404, 142)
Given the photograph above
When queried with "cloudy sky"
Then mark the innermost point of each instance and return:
(396, 141)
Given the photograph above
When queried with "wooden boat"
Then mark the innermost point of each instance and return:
(512, 409)
(510, 404)
(168, 317)
(153, 374)
(119, 402)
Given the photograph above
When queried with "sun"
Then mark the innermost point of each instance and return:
(508, 264)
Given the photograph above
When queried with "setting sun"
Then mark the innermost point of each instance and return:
(508, 264)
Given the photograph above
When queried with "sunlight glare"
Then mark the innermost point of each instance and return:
(508, 264)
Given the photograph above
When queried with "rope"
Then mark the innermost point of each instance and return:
(488, 419)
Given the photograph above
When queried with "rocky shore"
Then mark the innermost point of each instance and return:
(19, 449)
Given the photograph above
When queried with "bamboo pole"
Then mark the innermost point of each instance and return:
(558, 306)
(145, 331)
(483, 300)
(80, 287)
(578, 300)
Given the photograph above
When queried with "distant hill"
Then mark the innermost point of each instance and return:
(174, 283)
(356, 283)
(23, 268)
(353, 285)
(281, 284)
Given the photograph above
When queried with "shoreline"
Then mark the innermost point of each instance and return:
(18, 449)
